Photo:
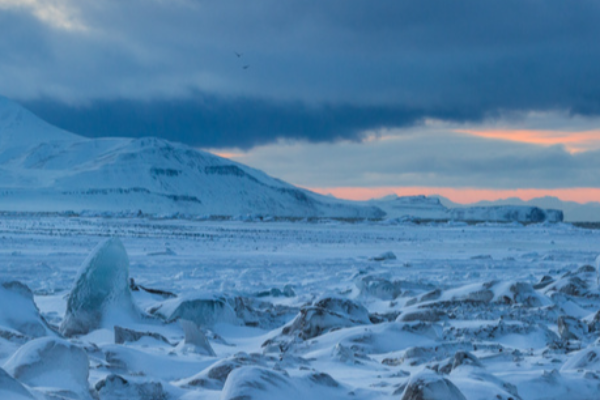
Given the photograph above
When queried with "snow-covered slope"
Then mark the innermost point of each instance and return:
(43, 168)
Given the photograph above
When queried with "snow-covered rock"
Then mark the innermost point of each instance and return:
(586, 359)
(115, 387)
(325, 315)
(202, 310)
(571, 328)
(214, 377)
(18, 312)
(263, 314)
(460, 358)
(101, 295)
(255, 383)
(428, 385)
(521, 293)
(53, 364)
(378, 287)
(124, 335)
(388, 255)
(426, 315)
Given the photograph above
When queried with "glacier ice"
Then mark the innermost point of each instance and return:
(101, 292)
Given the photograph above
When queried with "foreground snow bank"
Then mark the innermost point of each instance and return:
(255, 383)
(51, 363)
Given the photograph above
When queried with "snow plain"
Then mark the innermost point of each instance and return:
(491, 311)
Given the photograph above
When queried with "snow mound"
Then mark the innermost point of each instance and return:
(101, 293)
(12, 389)
(378, 287)
(124, 335)
(202, 310)
(427, 385)
(521, 293)
(51, 363)
(262, 314)
(115, 387)
(255, 383)
(22, 316)
(214, 377)
(388, 255)
(325, 315)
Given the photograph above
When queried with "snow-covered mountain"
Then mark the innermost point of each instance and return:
(431, 208)
(573, 211)
(43, 168)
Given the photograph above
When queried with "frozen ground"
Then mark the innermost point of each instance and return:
(282, 309)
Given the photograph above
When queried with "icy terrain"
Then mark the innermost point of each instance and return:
(181, 309)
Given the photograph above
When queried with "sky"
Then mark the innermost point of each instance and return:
(469, 99)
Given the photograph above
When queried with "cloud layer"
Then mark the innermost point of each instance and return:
(428, 157)
(318, 71)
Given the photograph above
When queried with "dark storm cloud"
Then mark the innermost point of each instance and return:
(318, 70)
(212, 121)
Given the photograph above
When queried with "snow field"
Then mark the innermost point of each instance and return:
(224, 310)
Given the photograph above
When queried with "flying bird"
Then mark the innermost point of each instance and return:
(246, 66)
(238, 54)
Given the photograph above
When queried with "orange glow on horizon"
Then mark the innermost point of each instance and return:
(227, 155)
(573, 141)
(462, 195)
